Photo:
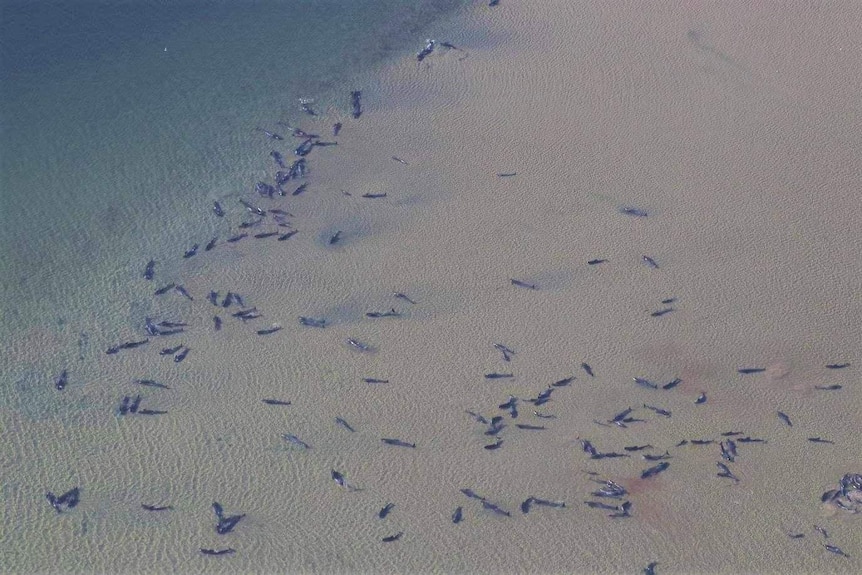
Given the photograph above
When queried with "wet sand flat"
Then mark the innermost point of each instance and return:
(733, 127)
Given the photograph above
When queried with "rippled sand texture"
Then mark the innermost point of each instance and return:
(736, 128)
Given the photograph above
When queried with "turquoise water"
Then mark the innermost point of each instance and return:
(123, 121)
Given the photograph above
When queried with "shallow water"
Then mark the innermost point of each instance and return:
(748, 179)
(123, 121)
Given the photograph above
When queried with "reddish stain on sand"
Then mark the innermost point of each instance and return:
(777, 371)
(781, 376)
(693, 382)
(638, 486)
(646, 509)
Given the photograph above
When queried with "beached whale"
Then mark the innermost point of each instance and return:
(264, 189)
(397, 442)
(458, 515)
(385, 510)
(296, 441)
(64, 502)
(400, 295)
(225, 523)
(655, 470)
(217, 552)
(278, 158)
(61, 381)
(272, 135)
(304, 148)
(251, 208)
(275, 402)
(848, 495)
(305, 106)
(298, 169)
(126, 345)
(344, 424)
(507, 353)
(150, 383)
(356, 103)
(379, 314)
(426, 51)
